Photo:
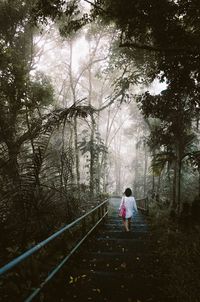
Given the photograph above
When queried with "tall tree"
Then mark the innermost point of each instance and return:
(174, 134)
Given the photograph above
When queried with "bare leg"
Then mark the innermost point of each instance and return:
(125, 221)
(129, 223)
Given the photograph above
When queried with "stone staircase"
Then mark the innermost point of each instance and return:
(112, 265)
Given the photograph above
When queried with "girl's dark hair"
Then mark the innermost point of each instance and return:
(128, 192)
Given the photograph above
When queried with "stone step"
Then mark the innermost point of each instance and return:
(110, 286)
(138, 224)
(112, 265)
(133, 229)
(124, 235)
(113, 262)
(123, 245)
(118, 219)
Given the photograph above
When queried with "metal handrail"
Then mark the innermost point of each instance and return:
(37, 247)
(57, 268)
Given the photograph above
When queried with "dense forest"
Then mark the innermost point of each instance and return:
(96, 96)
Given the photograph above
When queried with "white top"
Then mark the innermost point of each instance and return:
(130, 205)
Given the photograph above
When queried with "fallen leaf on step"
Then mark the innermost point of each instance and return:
(71, 280)
(123, 265)
(96, 290)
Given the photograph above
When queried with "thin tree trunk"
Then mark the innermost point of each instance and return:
(145, 171)
(153, 176)
(135, 185)
(177, 179)
(77, 159)
(173, 205)
(76, 149)
(92, 157)
(199, 180)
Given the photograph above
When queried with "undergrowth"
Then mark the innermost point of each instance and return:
(178, 246)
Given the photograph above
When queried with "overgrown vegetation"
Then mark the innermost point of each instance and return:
(177, 245)
(55, 163)
(39, 153)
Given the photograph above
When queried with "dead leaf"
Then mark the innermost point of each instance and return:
(71, 280)
(123, 265)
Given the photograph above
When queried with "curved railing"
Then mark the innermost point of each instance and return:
(83, 225)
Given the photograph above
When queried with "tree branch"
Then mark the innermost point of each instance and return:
(95, 5)
(52, 119)
(181, 51)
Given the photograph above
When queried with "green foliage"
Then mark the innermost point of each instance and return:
(163, 45)
(35, 199)
(95, 147)
(97, 144)
(41, 92)
(178, 254)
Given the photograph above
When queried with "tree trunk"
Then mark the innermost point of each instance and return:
(92, 157)
(178, 179)
(173, 204)
(76, 149)
(13, 167)
(77, 159)
(145, 171)
(135, 185)
(199, 180)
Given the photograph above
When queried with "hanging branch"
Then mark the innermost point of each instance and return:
(54, 118)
